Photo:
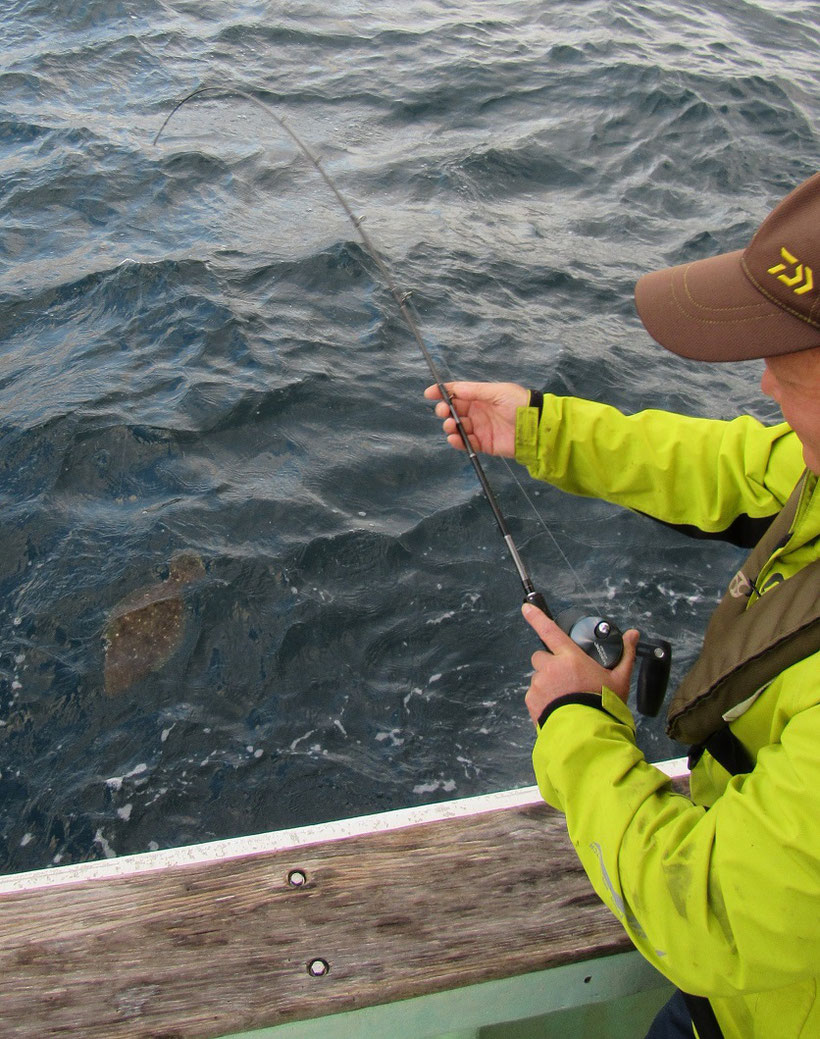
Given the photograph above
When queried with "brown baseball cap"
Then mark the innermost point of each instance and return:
(757, 302)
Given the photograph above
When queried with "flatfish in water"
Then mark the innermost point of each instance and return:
(146, 628)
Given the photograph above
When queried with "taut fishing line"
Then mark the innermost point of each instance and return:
(597, 636)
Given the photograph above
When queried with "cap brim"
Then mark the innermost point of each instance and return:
(710, 311)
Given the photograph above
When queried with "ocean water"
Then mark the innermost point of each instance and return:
(198, 356)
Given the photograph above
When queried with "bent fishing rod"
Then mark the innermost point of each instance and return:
(599, 637)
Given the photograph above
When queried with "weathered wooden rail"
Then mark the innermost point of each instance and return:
(236, 939)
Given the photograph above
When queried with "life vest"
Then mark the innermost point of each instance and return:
(748, 643)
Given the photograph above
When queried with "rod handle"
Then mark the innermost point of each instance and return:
(537, 599)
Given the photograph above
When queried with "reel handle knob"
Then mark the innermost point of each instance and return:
(599, 637)
(653, 676)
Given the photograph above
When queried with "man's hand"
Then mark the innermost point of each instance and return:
(567, 668)
(487, 412)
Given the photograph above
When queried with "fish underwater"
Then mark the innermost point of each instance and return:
(147, 627)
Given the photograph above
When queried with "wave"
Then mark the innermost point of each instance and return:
(196, 353)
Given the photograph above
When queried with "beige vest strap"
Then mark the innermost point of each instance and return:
(744, 649)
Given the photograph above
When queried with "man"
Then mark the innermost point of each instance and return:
(720, 891)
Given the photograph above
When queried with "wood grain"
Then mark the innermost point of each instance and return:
(199, 951)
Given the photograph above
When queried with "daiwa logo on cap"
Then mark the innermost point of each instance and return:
(796, 275)
(760, 301)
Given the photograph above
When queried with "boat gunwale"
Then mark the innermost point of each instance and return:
(286, 839)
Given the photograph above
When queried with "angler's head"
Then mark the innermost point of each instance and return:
(759, 302)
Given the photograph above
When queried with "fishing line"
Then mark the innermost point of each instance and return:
(542, 523)
(599, 637)
(545, 527)
(402, 300)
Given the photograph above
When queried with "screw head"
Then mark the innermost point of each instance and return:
(318, 968)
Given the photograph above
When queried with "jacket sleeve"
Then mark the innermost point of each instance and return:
(704, 473)
(700, 891)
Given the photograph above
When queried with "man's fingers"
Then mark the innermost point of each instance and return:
(449, 425)
(464, 390)
(454, 440)
(547, 630)
(627, 661)
(434, 393)
(540, 658)
(442, 410)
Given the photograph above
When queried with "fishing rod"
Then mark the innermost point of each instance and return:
(599, 637)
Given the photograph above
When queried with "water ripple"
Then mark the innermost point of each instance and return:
(197, 354)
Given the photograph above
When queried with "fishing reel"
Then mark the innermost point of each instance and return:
(601, 639)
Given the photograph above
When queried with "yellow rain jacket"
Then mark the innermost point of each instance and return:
(721, 892)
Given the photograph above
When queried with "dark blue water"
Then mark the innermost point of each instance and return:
(196, 354)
